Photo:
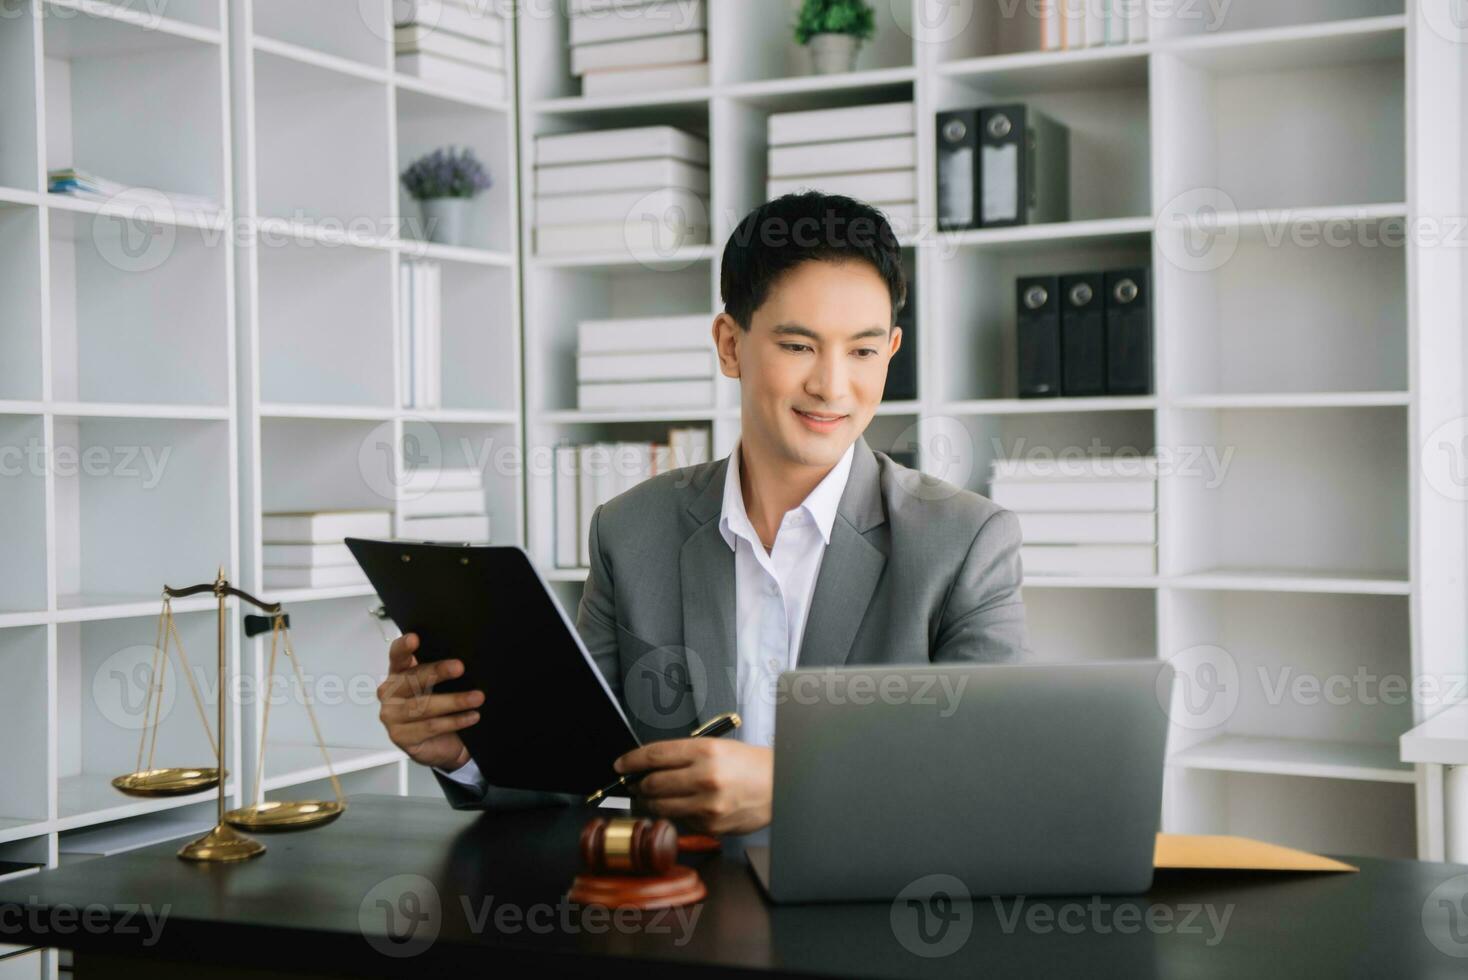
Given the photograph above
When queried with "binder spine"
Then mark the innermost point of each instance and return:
(958, 169)
(1128, 332)
(1083, 335)
(1037, 334)
(1002, 166)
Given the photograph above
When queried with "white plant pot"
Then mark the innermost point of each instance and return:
(446, 219)
(831, 54)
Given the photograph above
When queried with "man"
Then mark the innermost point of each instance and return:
(803, 546)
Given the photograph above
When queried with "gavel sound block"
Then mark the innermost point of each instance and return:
(633, 863)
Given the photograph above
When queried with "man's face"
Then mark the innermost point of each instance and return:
(814, 362)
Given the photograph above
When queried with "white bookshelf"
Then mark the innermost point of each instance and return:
(117, 389)
(323, 127)
(1299, 118)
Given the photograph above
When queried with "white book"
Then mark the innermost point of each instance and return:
(1095, 22)
(631, 464)
(591, 459)
(424, 367)
(1115, 24)
(645, 366)
(476, 19)
(646, 394)
(644, 334)
(689, 446)
(636, 143)
(306, 555)
(662, 457)
(1051, 38)
(1088, 559)
(646, 237)
(668, 204)
(881, 153)
(877, 186)
(418, 39)
(902, 216)
(442, 503)
(406, 329)
(625, 81)
(1074, 495)
(852, 123)
(325, 526)
(644, 52)
(315, 577)
(435, 333)
(1073, 23)
(1076, 468)
(565, 503)
(1095, 528)
(1134, 12)
(435, 479)
(644, 20)
(648, 175)
(450, 529)
(486, 83)
(577, 8)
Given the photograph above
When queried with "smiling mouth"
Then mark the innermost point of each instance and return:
(820, 418)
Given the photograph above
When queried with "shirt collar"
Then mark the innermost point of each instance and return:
(820, 505)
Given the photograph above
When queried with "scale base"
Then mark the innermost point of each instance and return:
(222, 844)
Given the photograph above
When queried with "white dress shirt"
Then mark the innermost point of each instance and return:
(772, 596)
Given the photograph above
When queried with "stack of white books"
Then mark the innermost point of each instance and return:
(587, 476)
(445, 505)
(867, 152)
(420, 358)
(642, 190)
(305, 550)
(623, 46)
(648, 362)
(1082, 516)
(456, 43)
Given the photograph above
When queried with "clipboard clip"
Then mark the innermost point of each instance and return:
(380, 617)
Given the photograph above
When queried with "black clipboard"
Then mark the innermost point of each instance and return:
(549, 720)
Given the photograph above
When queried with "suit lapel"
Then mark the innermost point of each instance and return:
(850, 569)
(706, 569)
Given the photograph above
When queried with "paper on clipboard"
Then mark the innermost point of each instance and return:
(1202, 851)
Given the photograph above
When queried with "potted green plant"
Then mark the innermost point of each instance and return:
(832, 30)
(444, 183)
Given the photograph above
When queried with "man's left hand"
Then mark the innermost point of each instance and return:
(710, 785)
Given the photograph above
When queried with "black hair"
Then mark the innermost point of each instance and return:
(779, 235)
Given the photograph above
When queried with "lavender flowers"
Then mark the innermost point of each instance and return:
(446, 172)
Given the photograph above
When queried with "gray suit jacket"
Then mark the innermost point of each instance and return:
(917, 571)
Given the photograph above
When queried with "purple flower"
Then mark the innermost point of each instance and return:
(446, 172)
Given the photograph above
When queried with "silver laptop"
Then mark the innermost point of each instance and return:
(1025, 779)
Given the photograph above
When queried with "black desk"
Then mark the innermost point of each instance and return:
(299, 911)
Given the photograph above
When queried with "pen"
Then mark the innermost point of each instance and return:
(713, 728)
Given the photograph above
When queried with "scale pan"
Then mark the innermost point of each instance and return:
(167, 782)
(282, 815)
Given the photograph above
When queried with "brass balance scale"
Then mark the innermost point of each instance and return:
(224, 842)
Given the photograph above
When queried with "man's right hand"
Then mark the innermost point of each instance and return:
(423, 724)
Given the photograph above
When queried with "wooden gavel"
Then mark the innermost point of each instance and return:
(629, 845)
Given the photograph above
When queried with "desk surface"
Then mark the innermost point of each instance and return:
(488, 891)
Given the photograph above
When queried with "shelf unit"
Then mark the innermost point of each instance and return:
(323, 126)
(1288, 346)
(117, 418)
